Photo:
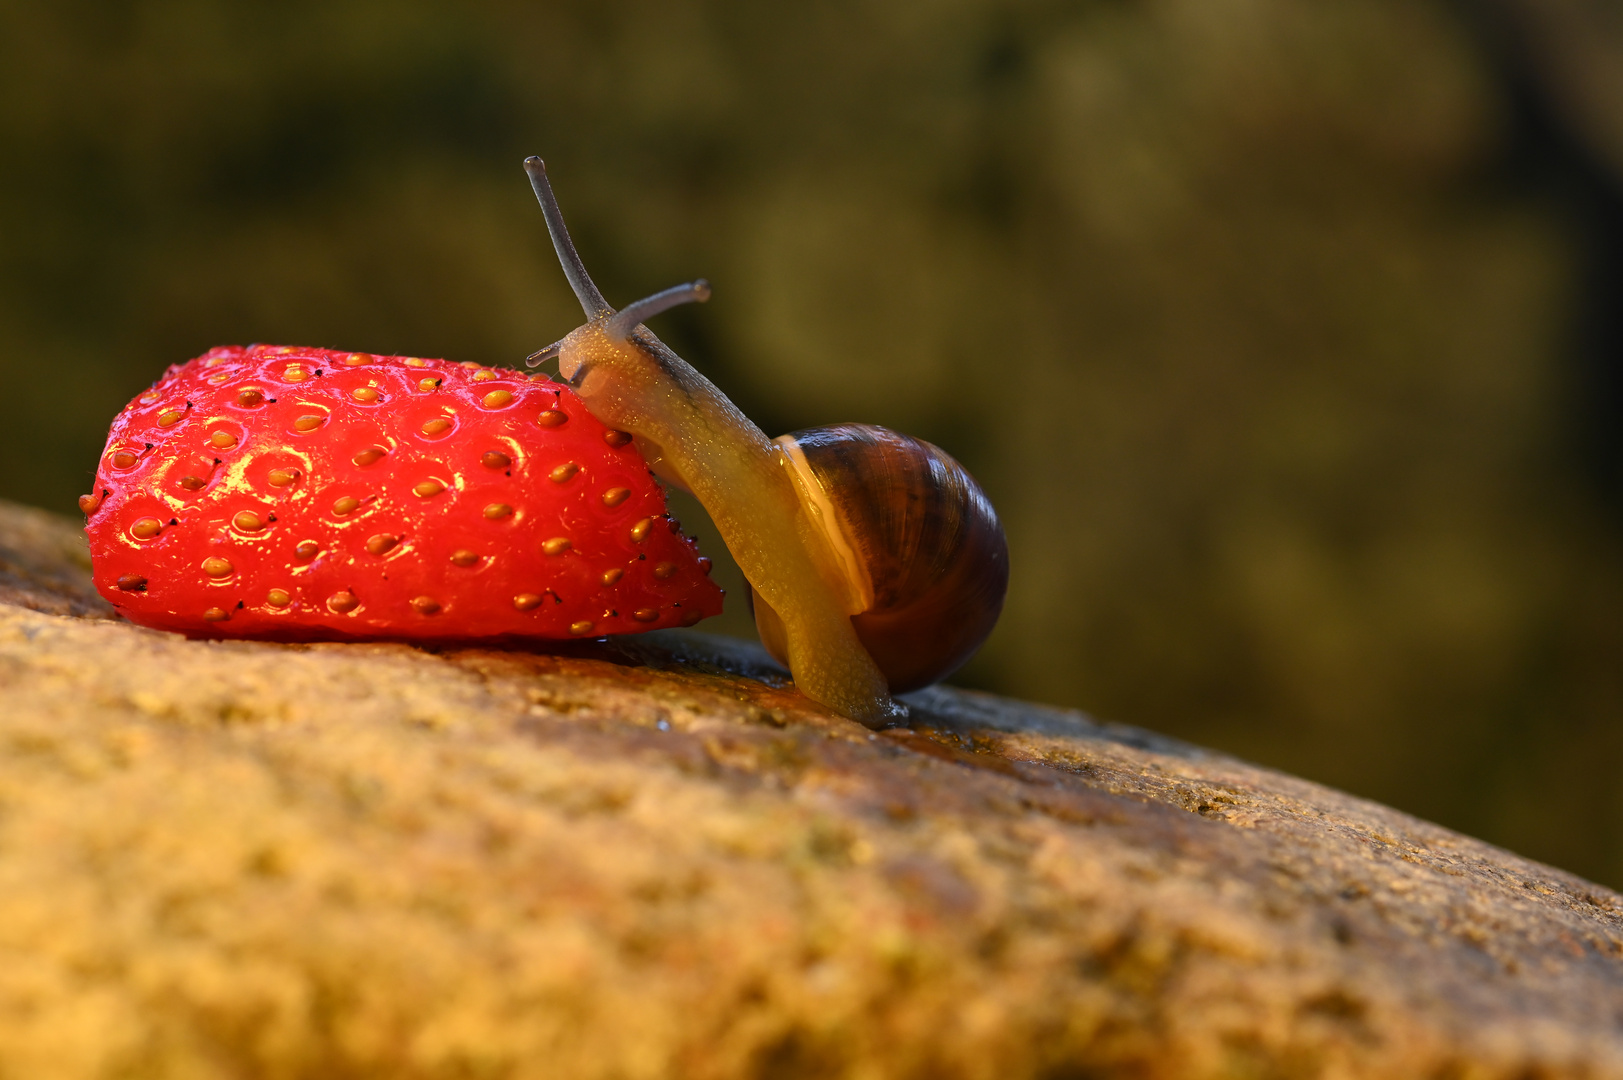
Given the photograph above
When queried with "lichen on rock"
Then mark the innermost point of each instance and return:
(651, 858)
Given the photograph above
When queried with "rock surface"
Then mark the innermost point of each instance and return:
(652, 859)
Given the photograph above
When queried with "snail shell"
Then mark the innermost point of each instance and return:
(925, 557)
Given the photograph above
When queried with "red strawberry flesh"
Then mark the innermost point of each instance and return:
(297, 494)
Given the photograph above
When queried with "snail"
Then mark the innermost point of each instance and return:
(876, 564)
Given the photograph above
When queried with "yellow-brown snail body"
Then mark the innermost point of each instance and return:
(876, 563)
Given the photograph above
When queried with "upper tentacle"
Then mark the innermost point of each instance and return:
(591, 301)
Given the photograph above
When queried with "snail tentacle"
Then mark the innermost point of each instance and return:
(591, 301)
(622, 322)
(541, 356)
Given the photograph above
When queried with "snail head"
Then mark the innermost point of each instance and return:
(605, 330)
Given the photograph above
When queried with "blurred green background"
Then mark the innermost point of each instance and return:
(1279, 332)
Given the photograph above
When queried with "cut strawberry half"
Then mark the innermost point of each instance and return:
(296, 494)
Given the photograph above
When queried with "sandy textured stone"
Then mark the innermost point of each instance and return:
(651, 859)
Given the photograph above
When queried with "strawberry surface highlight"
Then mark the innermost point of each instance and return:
(299, 494)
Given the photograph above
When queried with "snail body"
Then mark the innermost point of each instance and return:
(857, 542)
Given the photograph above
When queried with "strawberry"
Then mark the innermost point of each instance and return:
(294, 494)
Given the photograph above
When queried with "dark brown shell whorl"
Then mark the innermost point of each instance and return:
(933, 549)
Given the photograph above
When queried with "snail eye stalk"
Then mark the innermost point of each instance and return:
(591, 301)
(626, 319)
